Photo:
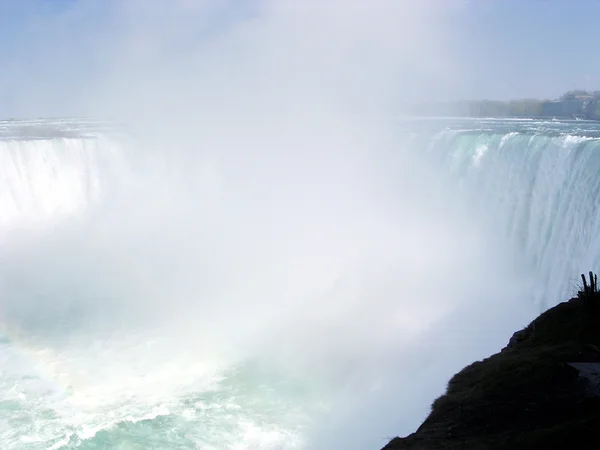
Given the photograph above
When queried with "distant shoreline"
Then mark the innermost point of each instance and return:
(573, 105)
(515, 118)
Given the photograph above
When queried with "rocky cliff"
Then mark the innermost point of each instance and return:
(542, 391)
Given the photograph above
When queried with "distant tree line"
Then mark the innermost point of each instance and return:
(572, 104)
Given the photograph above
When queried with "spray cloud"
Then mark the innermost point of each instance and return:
(268, 211)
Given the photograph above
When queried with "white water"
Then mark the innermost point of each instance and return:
(47, 179)
(314, 298)
(538, 185)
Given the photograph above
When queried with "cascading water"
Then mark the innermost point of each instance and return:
(319, 297)
(537, 184)
(44, 179)
(77, 371)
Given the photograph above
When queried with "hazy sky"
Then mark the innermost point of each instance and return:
(55, 51)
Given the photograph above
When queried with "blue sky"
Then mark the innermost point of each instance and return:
(505, 48)
(536, 48)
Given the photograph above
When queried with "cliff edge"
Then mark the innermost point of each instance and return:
(542, 391)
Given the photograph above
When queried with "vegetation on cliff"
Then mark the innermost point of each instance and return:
(527, 396)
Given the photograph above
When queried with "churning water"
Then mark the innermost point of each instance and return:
(316, 297)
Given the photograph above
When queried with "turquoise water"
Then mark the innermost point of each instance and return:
(151, 300)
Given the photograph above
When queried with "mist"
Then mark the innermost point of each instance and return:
(267, 211)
